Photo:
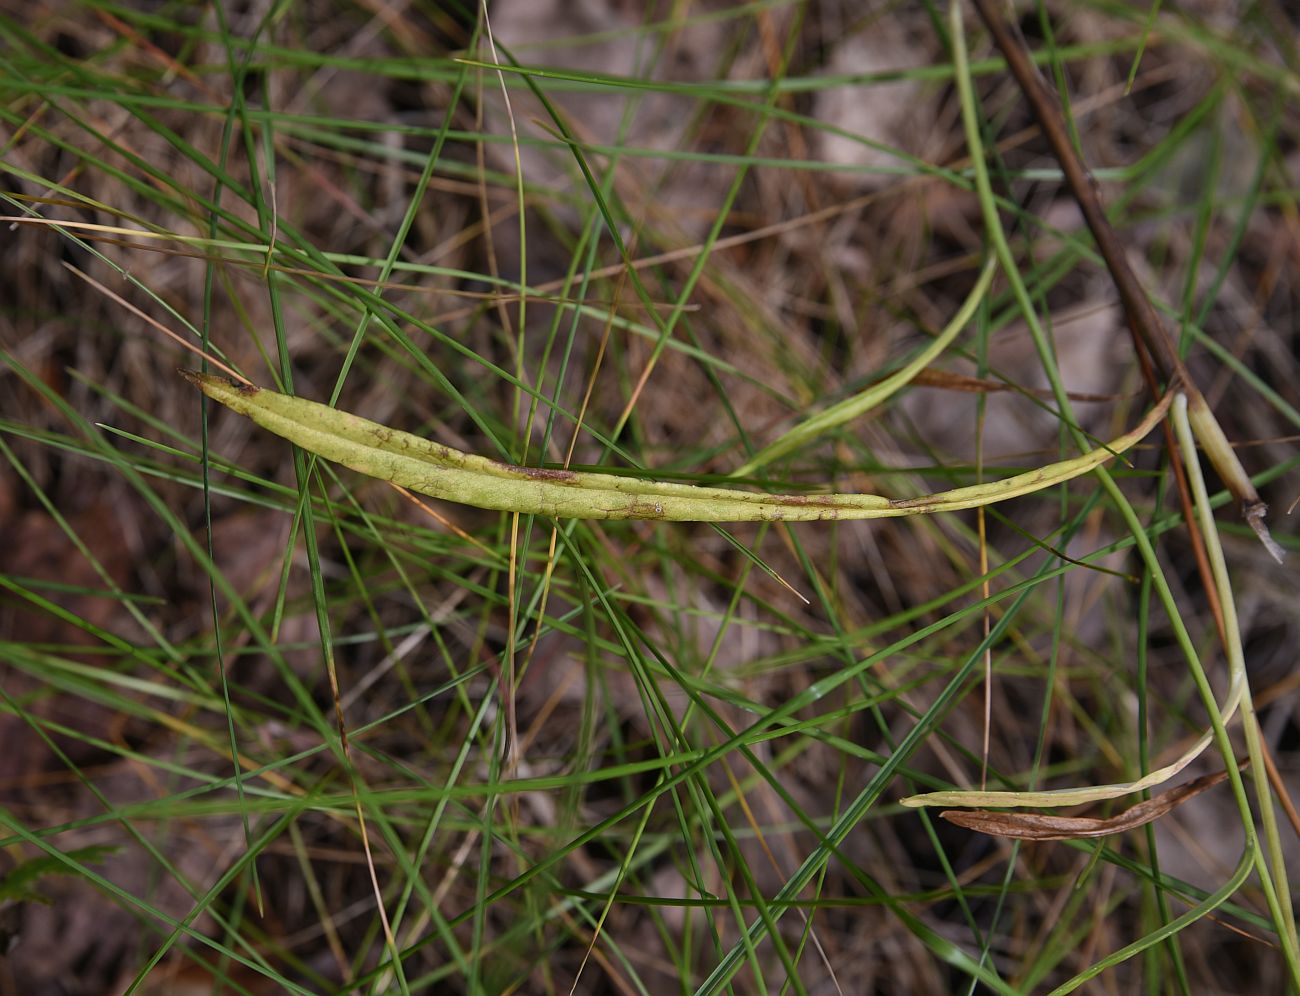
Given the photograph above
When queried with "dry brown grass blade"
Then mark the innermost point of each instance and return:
(1040, 826)
(948, 381)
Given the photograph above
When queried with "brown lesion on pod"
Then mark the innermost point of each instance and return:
(203, 381)
(828, 502)
(924, 501)
(539, 473)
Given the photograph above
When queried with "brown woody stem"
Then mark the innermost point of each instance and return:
(1143, 322)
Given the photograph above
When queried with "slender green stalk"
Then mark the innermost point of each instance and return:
(1278, 892)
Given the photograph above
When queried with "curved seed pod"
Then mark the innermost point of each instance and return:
(442, 472)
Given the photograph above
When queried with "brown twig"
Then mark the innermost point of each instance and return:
(1143, 323)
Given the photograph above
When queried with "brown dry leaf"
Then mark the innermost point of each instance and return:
(1040, 826)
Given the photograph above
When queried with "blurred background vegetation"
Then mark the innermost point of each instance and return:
(621, 757)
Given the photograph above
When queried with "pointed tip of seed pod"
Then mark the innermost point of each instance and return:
(1255, 513)
(206, 382)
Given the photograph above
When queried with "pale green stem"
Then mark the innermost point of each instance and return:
(1284, 914)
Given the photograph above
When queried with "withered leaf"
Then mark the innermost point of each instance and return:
(1041, 826)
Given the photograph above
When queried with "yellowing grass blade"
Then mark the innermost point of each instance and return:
(875, 395)
(442, 472)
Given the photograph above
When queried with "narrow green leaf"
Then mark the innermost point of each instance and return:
(875, 395)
